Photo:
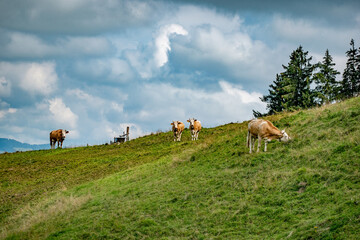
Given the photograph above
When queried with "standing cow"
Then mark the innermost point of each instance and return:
(57, 136)
(177, 128)
(195, 127)
(263, 129)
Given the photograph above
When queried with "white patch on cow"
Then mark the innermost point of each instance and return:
(285, 137)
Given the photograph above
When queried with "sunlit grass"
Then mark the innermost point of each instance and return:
(154, 188)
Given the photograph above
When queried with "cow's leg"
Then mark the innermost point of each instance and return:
(175, 137)
(61, 143)
(259, 144)
(250, 143)
(253, 139)
(266, 142)
(180, 136)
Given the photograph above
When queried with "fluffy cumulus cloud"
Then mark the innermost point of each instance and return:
(62, 114)
(34, 78)
(162, 42)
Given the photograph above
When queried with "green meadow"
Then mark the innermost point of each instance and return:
(155, 188)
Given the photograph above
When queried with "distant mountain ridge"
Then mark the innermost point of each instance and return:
(11, 145)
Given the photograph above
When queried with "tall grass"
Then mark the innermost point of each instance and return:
(154, 188)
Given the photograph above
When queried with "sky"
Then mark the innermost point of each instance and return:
(94, 67)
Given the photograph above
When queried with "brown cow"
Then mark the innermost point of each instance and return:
(195, 127)
(57, 136)
(177, 128)
(264, 129)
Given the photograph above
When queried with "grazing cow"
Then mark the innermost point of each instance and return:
(57, 136)
(177, 128)
(195, 127)
(263, 129)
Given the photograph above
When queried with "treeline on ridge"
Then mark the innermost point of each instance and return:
(305, 85)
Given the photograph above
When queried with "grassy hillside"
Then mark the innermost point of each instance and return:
(154, 188)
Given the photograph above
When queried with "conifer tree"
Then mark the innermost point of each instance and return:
(297, 78)
(350, 82)
(327, 87)
(291, 89)
(275, 98)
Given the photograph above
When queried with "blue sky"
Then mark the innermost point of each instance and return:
(95, 67)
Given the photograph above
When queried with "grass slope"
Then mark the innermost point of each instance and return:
(153, 188)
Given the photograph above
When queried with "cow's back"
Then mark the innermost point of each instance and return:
(255, 126)
(197, 125)
(181, 126)
(56, 134)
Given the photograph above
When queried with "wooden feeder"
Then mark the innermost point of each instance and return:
(123, 138)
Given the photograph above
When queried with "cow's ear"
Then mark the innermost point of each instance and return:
(195, 120)
(188, 120)
(172, 123)
(67, 131)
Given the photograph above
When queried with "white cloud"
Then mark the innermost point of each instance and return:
(62, 114)
(3, 113)
(162, 42)
(147, 59)
(34, 78)
(40, 78)
(233, 55)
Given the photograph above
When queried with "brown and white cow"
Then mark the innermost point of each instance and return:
(195, 127)
(263, 129)
(57, 136)
(177, 128)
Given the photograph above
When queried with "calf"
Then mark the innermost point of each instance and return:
(57, 136)
(195, 127)
(263, 129)
(177, 128)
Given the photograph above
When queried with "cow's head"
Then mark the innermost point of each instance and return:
(175, 125)
(63, 133)
(191, 121)
(284, 137)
